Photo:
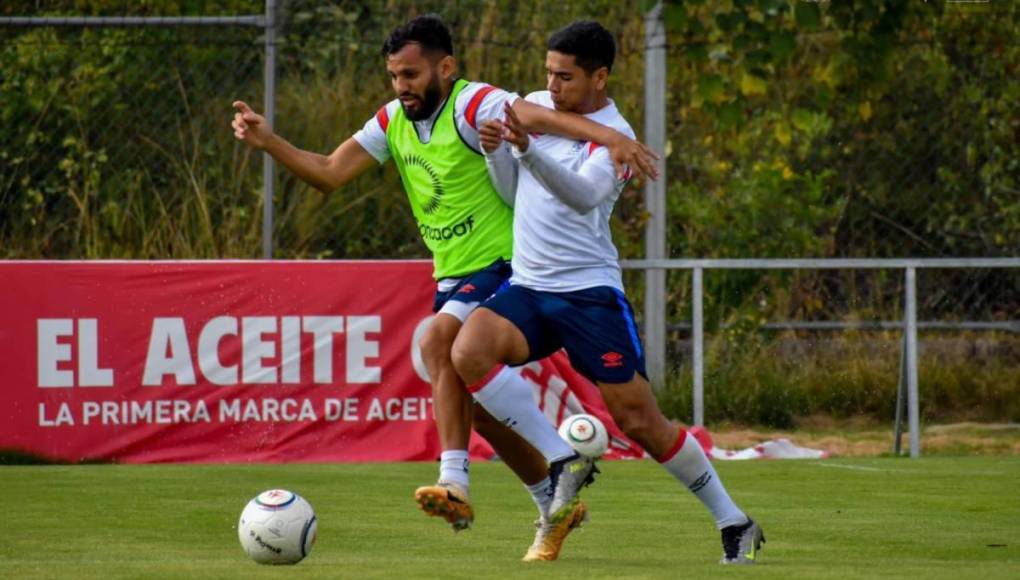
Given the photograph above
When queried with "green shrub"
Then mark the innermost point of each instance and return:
(853, 375)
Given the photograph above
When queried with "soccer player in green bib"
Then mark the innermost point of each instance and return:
(431, 132)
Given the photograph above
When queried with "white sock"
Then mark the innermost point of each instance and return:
(542, 494)
(690, 465)
(508, 398)
(453, 467)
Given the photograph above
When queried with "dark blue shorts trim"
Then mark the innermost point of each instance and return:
(476, 287)
(594, 325)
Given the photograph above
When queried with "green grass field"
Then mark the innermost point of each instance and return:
(941, 517)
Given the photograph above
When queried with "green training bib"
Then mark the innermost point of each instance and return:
(462, 219)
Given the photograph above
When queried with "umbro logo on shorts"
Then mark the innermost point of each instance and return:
(469, 287)
(612, 359)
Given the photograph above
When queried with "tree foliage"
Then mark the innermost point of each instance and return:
(796, 128)
(875, 128)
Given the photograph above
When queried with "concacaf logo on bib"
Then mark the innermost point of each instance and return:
(412, 160)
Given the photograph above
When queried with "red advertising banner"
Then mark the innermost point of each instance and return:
(231, 362)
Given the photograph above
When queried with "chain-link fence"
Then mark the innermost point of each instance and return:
(858, 134)
(119, 146)
(911, 156)
(110, 141)
(795, 129)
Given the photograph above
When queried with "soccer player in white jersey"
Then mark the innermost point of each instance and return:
(566, 289)
(430, 132)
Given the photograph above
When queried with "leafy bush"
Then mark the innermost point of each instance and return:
(783, 380)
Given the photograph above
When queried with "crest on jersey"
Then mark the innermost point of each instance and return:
(431, 204)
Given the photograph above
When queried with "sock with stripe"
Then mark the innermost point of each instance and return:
(688, 463)
(509, 399)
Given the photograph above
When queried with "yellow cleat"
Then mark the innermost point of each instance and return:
(447, 501)
(552, 532)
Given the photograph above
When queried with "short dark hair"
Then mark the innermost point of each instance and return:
(427, 30)
(591, 45)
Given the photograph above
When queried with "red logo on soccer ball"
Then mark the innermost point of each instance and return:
(612, 359)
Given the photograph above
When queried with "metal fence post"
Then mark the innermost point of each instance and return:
(655, 195)
(910, 328)
(901, 400)
(698, 354)
(269, 105)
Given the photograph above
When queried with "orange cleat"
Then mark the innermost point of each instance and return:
(448, 501)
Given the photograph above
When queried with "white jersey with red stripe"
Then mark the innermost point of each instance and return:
(556, 248)
(475, 104)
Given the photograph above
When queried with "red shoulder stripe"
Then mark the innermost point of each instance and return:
(383, 118)
(474, 103)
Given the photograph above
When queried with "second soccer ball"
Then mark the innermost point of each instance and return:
(586, 434)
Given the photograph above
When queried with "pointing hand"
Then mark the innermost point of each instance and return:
(250, 127)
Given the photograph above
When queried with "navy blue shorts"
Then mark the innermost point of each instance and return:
(594, 325)
(476, 287)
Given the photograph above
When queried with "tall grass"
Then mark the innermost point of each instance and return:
(777, 383)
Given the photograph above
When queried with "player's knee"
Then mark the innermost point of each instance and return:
(629, 422)
(468, 359)
(636, 423)
(435, 345)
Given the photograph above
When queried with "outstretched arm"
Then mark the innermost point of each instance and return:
(325, 173)
(623, 150)
(582, 191)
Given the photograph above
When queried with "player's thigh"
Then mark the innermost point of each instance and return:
(597, 328)
(471, 290)
(487, 334)
(454, 305)
(634, 398)
(515, 320)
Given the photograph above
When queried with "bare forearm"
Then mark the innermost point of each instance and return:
(325, 173)
(313, 168)
(624, 151)
(538, 119)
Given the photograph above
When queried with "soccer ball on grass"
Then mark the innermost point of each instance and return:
(277, 527)
(586, 434)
